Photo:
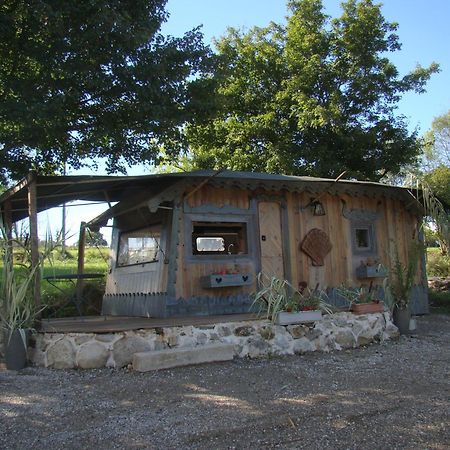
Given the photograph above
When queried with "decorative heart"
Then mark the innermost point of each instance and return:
(218, 280)
(245, 277)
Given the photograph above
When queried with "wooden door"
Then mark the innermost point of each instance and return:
(270, 239)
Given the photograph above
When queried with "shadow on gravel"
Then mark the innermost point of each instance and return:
(391, 395)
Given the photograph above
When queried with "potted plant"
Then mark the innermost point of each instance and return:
(363, 300)
(280, 302)
(399, 284)
(18, 311)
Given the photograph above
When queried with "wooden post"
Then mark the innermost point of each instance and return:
(81, 246)
(34, 237)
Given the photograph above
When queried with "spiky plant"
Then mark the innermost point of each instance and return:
(276, 295)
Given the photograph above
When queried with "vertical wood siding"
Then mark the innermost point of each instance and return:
(394, 229)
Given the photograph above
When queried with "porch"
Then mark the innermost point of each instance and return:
(113, 324)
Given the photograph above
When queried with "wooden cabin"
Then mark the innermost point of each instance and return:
(193, 243)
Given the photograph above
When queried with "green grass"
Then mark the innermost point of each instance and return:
(54, 298)
(437, 265)
(95, 262)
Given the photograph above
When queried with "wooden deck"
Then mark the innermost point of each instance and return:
(111, 324)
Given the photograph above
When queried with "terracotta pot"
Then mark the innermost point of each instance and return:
(401, 317)
(368, 308)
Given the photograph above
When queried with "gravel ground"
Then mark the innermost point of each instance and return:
(386, 396)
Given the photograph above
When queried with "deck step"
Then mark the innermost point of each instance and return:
(166, 359)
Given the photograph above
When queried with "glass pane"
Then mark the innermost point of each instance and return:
(362, 238)
(138, 247)
(210, 244)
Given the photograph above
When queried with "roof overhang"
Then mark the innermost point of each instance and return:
(132, 191)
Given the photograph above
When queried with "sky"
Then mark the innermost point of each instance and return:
(423, 31)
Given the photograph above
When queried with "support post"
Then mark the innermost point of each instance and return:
(7, 220)
(34, 237)
(81, 247)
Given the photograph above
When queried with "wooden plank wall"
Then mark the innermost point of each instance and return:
(189, 273)
(394, 228)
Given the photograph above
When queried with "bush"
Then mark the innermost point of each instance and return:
(438, 265)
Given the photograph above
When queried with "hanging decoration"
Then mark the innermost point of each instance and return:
(316, 244)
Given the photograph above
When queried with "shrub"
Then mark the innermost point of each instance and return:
(438, 265)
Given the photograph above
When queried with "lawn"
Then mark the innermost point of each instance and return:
(96, 261)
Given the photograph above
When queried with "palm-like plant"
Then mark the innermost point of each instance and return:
(275, 295)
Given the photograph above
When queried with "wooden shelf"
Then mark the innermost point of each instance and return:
(226, 280)
(371, 272)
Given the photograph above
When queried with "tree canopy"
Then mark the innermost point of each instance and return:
(315, 96)
(437, 142)
(81, 79)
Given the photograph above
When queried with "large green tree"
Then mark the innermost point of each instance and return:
(315, 96)
(437, 142)
(81, 79)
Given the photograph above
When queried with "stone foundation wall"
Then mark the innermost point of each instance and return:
(250, 339)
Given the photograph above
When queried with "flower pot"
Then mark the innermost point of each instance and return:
(401, 317)
(287, 318)
(367, 308)
(16, 350)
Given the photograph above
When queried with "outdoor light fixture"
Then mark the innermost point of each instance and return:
(317, 208)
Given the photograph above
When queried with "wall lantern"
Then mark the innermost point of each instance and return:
(317, 208)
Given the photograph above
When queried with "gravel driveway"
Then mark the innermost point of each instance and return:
(386, 396)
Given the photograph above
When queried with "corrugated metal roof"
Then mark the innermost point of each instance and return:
(53, 191)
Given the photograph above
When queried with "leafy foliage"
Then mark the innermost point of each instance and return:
(438, 265)
(316, 96)
(401, 278)
(437, 143)
(439, 181)
(434, 210)
(95, 239)
(17, 307)
(81, 79)
(275, 295)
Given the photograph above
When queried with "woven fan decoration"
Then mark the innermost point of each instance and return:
(316, 244)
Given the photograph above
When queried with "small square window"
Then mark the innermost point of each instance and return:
(362, 237)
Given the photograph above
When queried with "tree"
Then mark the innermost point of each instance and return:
(95, 239)
(437, 143)
(81, 79)
(313, 97)
(439, 181)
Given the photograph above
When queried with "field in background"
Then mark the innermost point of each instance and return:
(97, 261)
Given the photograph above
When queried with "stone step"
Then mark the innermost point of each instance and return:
(166, 359)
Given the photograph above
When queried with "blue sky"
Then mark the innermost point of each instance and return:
(423, 31)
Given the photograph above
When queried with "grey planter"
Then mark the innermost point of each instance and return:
(16, 350)
(401, 318)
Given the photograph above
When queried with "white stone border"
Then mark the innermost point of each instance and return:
(252, 339)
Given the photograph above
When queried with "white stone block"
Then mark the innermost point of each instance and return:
(166, 359)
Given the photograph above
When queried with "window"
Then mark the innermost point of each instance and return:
(139, 246)
(219, 238)
(363, 237)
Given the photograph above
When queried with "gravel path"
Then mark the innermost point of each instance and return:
(386, 396)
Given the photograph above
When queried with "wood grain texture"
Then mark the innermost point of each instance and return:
(270, 239)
